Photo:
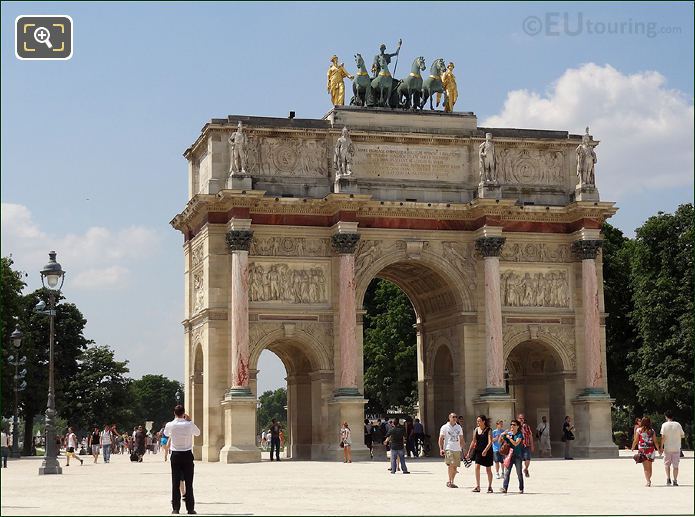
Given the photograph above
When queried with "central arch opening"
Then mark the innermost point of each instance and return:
(411, 334)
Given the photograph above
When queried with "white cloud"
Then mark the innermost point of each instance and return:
(97, 258)
(645, 129)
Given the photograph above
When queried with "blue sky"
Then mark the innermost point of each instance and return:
(91, 147)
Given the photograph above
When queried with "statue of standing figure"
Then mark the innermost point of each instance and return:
(342, 156)
(488, 166)
(335, 86)
(450, 90)
(239, 144)
(586, 161)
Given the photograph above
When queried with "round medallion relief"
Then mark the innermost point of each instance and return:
(285, 157)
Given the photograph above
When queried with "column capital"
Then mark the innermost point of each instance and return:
(345, 243)
(490, 246)
(587, 248)
(239, 240)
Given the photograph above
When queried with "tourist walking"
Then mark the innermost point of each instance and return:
(450, 446)
(480, 451)
(671, 436)
(275, 429)
(496, 456)
(4, 447)
(529, 446)
(515, 439)
(647, 445)
(568, 436)
(635, 428)
(409, 445)
(106, 442)
(346, 442)
(139, 440)
(93, 443)
(70, 446)
(418, 435)
(368, 441)
(164, 441)
(543, 436)
(180, 432)
(396, 440)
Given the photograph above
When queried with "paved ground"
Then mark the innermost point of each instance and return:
(310, 488)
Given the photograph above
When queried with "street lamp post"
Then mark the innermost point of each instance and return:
(17, 361)
(52, 277)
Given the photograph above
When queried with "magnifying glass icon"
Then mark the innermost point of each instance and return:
(42, 35)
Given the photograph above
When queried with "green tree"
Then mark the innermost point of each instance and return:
(272, 405)
(390, 349)
(662, 281)
(11, 285)
(153, 397)
(99, 391)
(622, 340)
(69, 344)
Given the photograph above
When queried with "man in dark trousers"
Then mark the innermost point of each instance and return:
(180, 432)
(395, 437)
(275, 429)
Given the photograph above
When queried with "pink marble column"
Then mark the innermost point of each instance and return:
(490, 248)
(587, 250)
(239, 242)
(344, 244)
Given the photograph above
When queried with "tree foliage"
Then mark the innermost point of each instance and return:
(11, 285)
(662, 283)
(272, 405)
(153, 397)
(390, 349)
(99, 391)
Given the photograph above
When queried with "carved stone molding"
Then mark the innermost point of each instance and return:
(345, 242)
(239, 240)
(559, 338)
(523, 288)
(289, 283)
(289, 247)
(490, 246)
(536, 252)
(587, 249)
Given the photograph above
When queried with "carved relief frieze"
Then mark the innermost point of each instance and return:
(302, 157)
(528, 166)
(528, 288)
(289, 247)
(198, 291)
(197, 255)
(288, 283)
(461, 256)
(536, 252)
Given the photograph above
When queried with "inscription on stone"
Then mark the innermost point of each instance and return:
(411, 162)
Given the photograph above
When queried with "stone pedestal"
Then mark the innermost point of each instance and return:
(489, 191)
(239, 182)
(239, 430)
(593, 428)
(351, 410)
(586, 193)
(345, 185)
(495, 407)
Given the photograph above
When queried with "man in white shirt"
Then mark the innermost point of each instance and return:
(671, 436)
(71, 446)
(180, 432)
(450, 445)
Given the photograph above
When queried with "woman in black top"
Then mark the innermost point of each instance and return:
(567, 436)
(481, 445)
(94, 443)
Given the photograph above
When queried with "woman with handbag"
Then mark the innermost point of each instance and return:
(514, 438)
(647, 443)
(346, 442)
(567, 436)
(481, 445)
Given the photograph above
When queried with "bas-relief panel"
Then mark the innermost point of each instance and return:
(535, 252)
(412, 162)
(302, 157)
(529, 166)
(280, 282)
(289, 247)
(535, 288)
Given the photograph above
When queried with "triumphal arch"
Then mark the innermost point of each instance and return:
(493, 233)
